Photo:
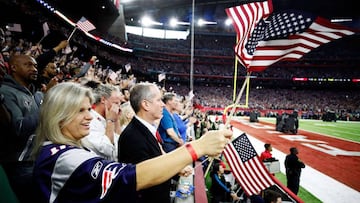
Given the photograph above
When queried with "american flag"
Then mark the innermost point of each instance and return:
(265, 39)
(246, 167)
(127, 67)
(85, 25)
(161, 77)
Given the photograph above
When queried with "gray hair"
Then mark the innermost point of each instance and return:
(61, 104)
(141, 91)
(103, 90)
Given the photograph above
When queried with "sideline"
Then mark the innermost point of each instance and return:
(325, 188)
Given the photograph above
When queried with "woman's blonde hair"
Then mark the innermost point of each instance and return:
(126, 111)
(61, 104)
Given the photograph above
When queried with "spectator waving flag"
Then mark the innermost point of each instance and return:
(85, 25)
(266, 37)
(246, 167)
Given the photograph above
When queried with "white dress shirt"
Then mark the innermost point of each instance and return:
(97, 140)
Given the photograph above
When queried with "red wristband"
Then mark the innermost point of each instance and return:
(191, 151)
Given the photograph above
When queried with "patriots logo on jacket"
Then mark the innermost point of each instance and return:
(109, 173)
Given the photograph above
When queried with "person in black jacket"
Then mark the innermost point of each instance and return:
(21, 101)
(139, 141)
(293, 166)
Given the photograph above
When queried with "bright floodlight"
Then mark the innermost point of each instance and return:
(173, 22)
(126, 1)
(201, 22)
(228, 22)
(146, 21)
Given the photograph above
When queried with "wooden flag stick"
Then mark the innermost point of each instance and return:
(72, 33)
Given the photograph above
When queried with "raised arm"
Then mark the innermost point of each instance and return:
(157, 170)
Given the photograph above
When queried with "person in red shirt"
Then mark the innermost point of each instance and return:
(266, 155)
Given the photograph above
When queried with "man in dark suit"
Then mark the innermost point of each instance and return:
(293, 167)
(138, 141)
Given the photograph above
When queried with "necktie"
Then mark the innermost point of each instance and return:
(158, 137)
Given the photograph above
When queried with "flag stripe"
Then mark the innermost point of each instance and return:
(287, 48)
(245, 18)
(231, 158)
(85, 25)
(264, 39)
(251, 174)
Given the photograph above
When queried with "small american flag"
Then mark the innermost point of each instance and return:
(14, 27)
(266, 38)
(161, 77)
(85, 25)
(246, 167)
(127, 67)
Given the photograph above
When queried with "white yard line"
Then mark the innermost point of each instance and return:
(325, 188)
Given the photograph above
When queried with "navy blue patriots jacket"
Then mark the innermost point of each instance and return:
(66, 173)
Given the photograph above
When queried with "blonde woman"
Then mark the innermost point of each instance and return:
(66, 172)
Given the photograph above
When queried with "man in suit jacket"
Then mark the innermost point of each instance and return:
(138, 141)
(293, 166)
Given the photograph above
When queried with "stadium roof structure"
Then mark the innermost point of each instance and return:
(214, 10)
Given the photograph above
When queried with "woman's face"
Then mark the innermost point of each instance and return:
(79, 126)
(221, 169)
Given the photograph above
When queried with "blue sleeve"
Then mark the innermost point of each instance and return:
(84, 69)
(166, 121)
(218, 181)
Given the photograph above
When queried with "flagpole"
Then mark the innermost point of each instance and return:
(231, 115)
(192, 32)
(247, 93)
(42, 38)
(235, 73)
(72, 33)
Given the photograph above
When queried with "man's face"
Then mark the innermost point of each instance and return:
(172, 103)
(51, 69)
(155, 104)
(127, 95)
(114, 99)
(25, 69)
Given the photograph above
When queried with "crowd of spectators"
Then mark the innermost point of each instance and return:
(213, 67)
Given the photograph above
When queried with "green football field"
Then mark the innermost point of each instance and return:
(340, 129)
(347, 130)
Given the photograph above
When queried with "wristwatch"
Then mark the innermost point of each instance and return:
(110, 120)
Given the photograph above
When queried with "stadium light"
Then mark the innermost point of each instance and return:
(146, 21)
(228, 22)
(173, 22)
(202, 22)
